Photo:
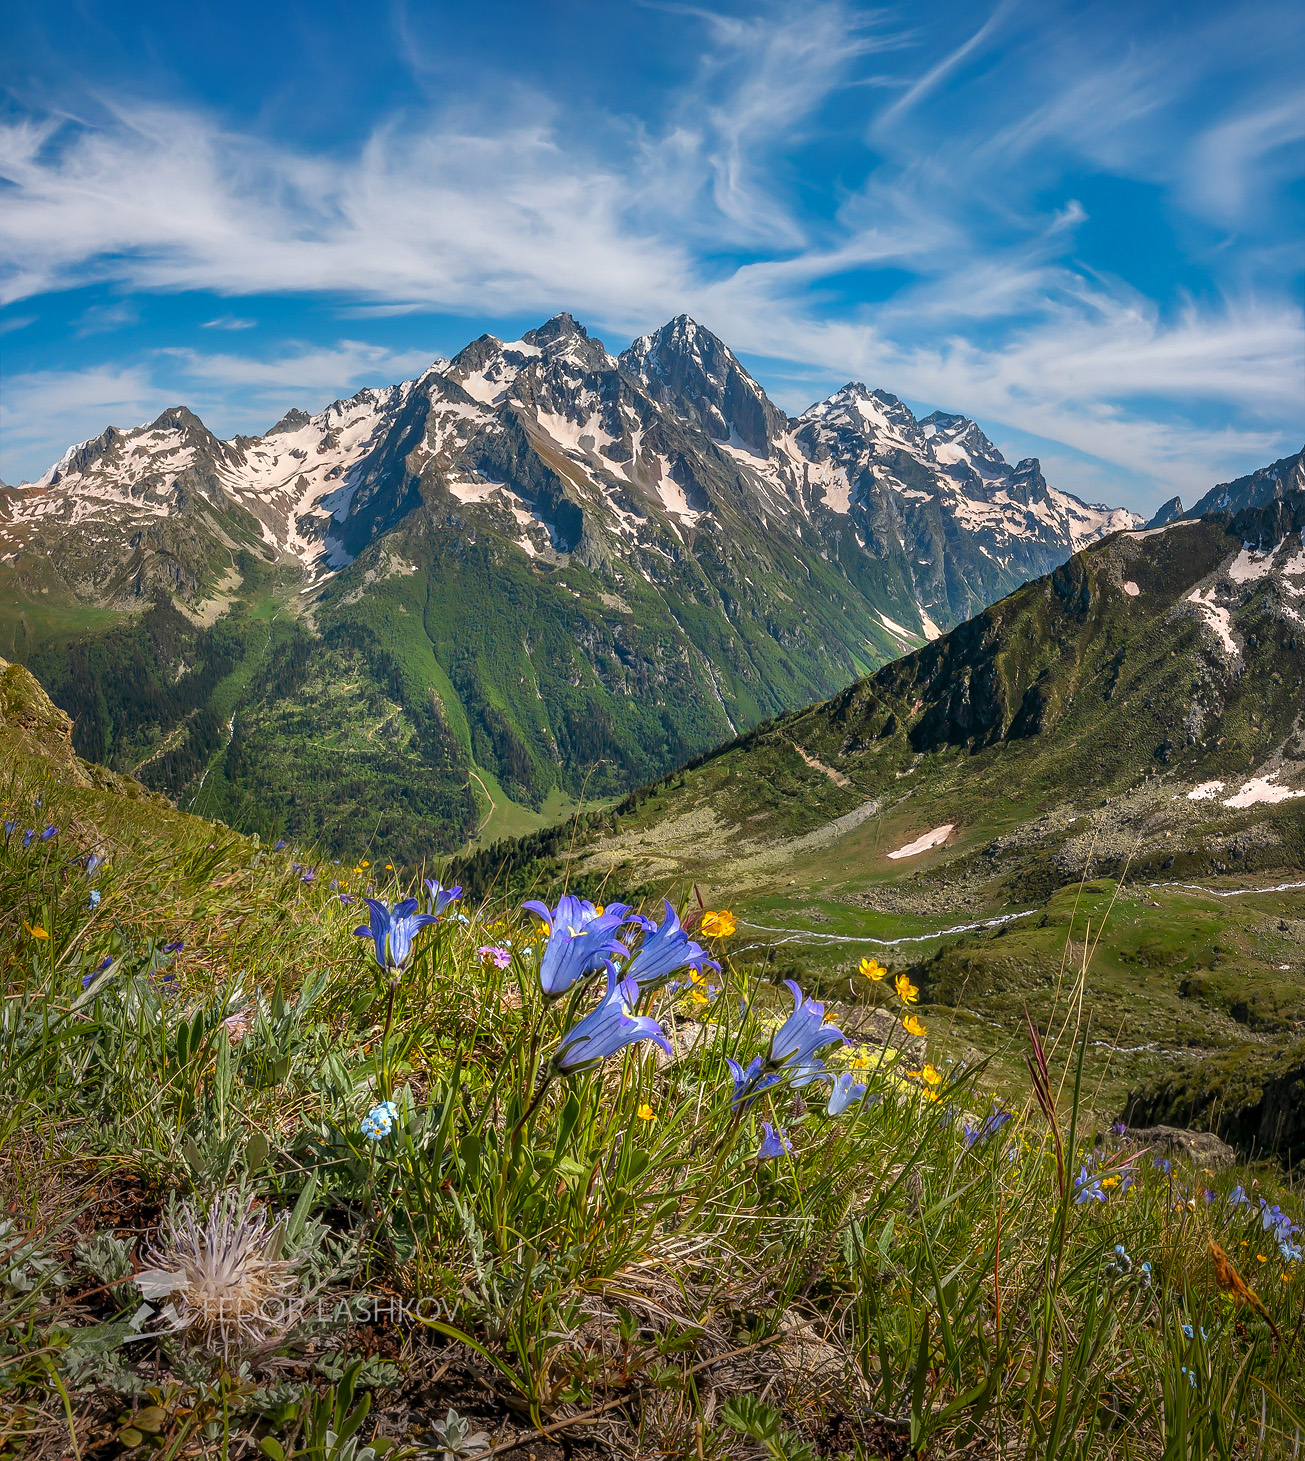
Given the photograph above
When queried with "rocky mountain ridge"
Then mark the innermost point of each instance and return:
(565, 450)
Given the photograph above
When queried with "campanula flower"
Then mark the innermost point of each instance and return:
(89, 979)
(27, 838)
(749, 1083)
(803, 1033)
(847, 1090)
(665, 950)
(605, 1030)
(581, 941)
(380, 1121)
(392, 931)
(93, 864)
(9, 829)
(774, 1144)
(93, 901)
(50, 831)
(175, 947)
(1087, 1188)
(439, 897)
(1237, 1197)
(279, 845)
(1121, 1263)
(1274, 1220)
(987, 1129)
(803, 1072)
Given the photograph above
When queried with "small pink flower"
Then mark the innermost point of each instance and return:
(492, 954)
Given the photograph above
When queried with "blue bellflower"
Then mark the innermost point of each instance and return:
(991, 1125)
(1088, 1188)
(847, 1091)
(750, 1083)
(438, 897)
(581, 941)
(803, 1033)
(392, 931)
(605, 1030)
(806, 1071)
(774, 1144)
(666, 949)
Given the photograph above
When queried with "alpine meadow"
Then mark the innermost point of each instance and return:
(615, 890)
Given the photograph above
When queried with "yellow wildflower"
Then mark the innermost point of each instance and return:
(930, 1076)
(37, 932)
(718, 923)
(906, 991)
(646, 1112)
(389, 867)
(873, 969)
(364, 863)
(913, 1026)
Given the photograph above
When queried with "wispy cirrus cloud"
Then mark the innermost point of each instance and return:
(949, 255)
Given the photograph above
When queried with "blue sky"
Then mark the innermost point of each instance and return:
(1080, 224)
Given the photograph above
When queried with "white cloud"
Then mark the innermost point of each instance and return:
(700, 210)
(45, 411)
(228, 322)
(308, 369)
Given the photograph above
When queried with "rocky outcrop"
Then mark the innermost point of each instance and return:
(34, 731)
(1252, 1096)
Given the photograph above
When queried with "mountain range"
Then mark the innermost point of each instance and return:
(535, 572)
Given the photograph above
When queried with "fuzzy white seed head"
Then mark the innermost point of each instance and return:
(220, 1273)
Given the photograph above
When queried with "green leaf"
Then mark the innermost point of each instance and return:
(469, 1151)
(272, 1448)
(257, 1151)
(152, 1419)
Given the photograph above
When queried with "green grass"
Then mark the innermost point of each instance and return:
(605, 1253)
(28, 624)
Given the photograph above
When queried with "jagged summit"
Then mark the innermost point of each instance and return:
(660, 449)
(687, 369)
(1269, 484)
(1166, 513)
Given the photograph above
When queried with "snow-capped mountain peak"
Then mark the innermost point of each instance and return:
(551, 443)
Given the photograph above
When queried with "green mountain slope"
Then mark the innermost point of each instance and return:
(1137, 715)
